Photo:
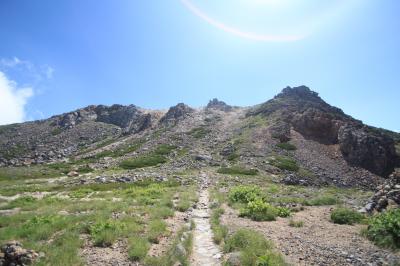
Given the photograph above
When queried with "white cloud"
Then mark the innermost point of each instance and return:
(12, 101)
(36, 73)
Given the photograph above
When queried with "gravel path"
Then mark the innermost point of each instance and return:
(205, 251)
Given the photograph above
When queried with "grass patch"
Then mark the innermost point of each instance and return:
(138, 248)
(236, 170)
(220, 232)
(199, 132)
(293, 223)
(254, 249)
(156, 229)
(346, 216)
(64, 250)
(284, 163)
(322, 201)
(143, 161)
(286, 146)
(154, 158)
(120, 151)
(384, 229)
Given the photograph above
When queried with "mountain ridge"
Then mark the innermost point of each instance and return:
(298, 108)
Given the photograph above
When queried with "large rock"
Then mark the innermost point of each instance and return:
(218, 105)
(176, 114)
(370, 150)
(129, 118)
(13, 253)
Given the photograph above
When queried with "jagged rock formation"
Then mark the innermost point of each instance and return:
(309, 115)
(218, 105)
(129, 118)
(176, 114)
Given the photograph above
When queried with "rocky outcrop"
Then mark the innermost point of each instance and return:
(305, 112)
(129, 118)
(176, 114)
(280, 130)
(387, 194)
(12, 253)
(218, 105)
(370, 150)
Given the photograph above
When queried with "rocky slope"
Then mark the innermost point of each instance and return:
(332, 147)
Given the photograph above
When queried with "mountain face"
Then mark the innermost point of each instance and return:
(330, 146)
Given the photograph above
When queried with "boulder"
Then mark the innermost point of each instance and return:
(12, 253)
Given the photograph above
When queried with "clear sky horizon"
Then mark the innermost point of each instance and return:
(58, 56)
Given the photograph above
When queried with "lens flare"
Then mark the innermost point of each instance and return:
(238, 32)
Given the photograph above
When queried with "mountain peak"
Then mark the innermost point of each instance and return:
(219, 105)
(300, 91)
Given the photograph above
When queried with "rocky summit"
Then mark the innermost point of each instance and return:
(123, 185)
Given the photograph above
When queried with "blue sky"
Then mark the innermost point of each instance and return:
(57, 56)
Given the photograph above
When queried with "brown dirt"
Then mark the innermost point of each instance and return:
(318, 242)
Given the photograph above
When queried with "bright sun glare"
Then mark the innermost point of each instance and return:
(273, 20)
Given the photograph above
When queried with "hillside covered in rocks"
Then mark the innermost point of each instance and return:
(298, 115)
(122, 185)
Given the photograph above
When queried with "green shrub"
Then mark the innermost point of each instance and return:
(285, 163)
(384, 229)
(346, 216)
(199, 132)
(286, 146)
(105, 233)
(138, 248)
(143, 161)
(42, 227)
(164, 149)
(244, 194)
(233, 156)
(64, 250)
(56, 131)
(156, 229)
(322, 201)
(254, 249)
(258, 210)
(283, 211)
(236, 170)
(294, 223)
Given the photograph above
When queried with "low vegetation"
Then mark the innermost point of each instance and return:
(284, 163)
(346, 216)
(237, 170)
(286, 146)
(384, 229)
(220, 231)
(254, 249)
(293, 223)
(158, 156)
(199, 132)
(254, 206)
